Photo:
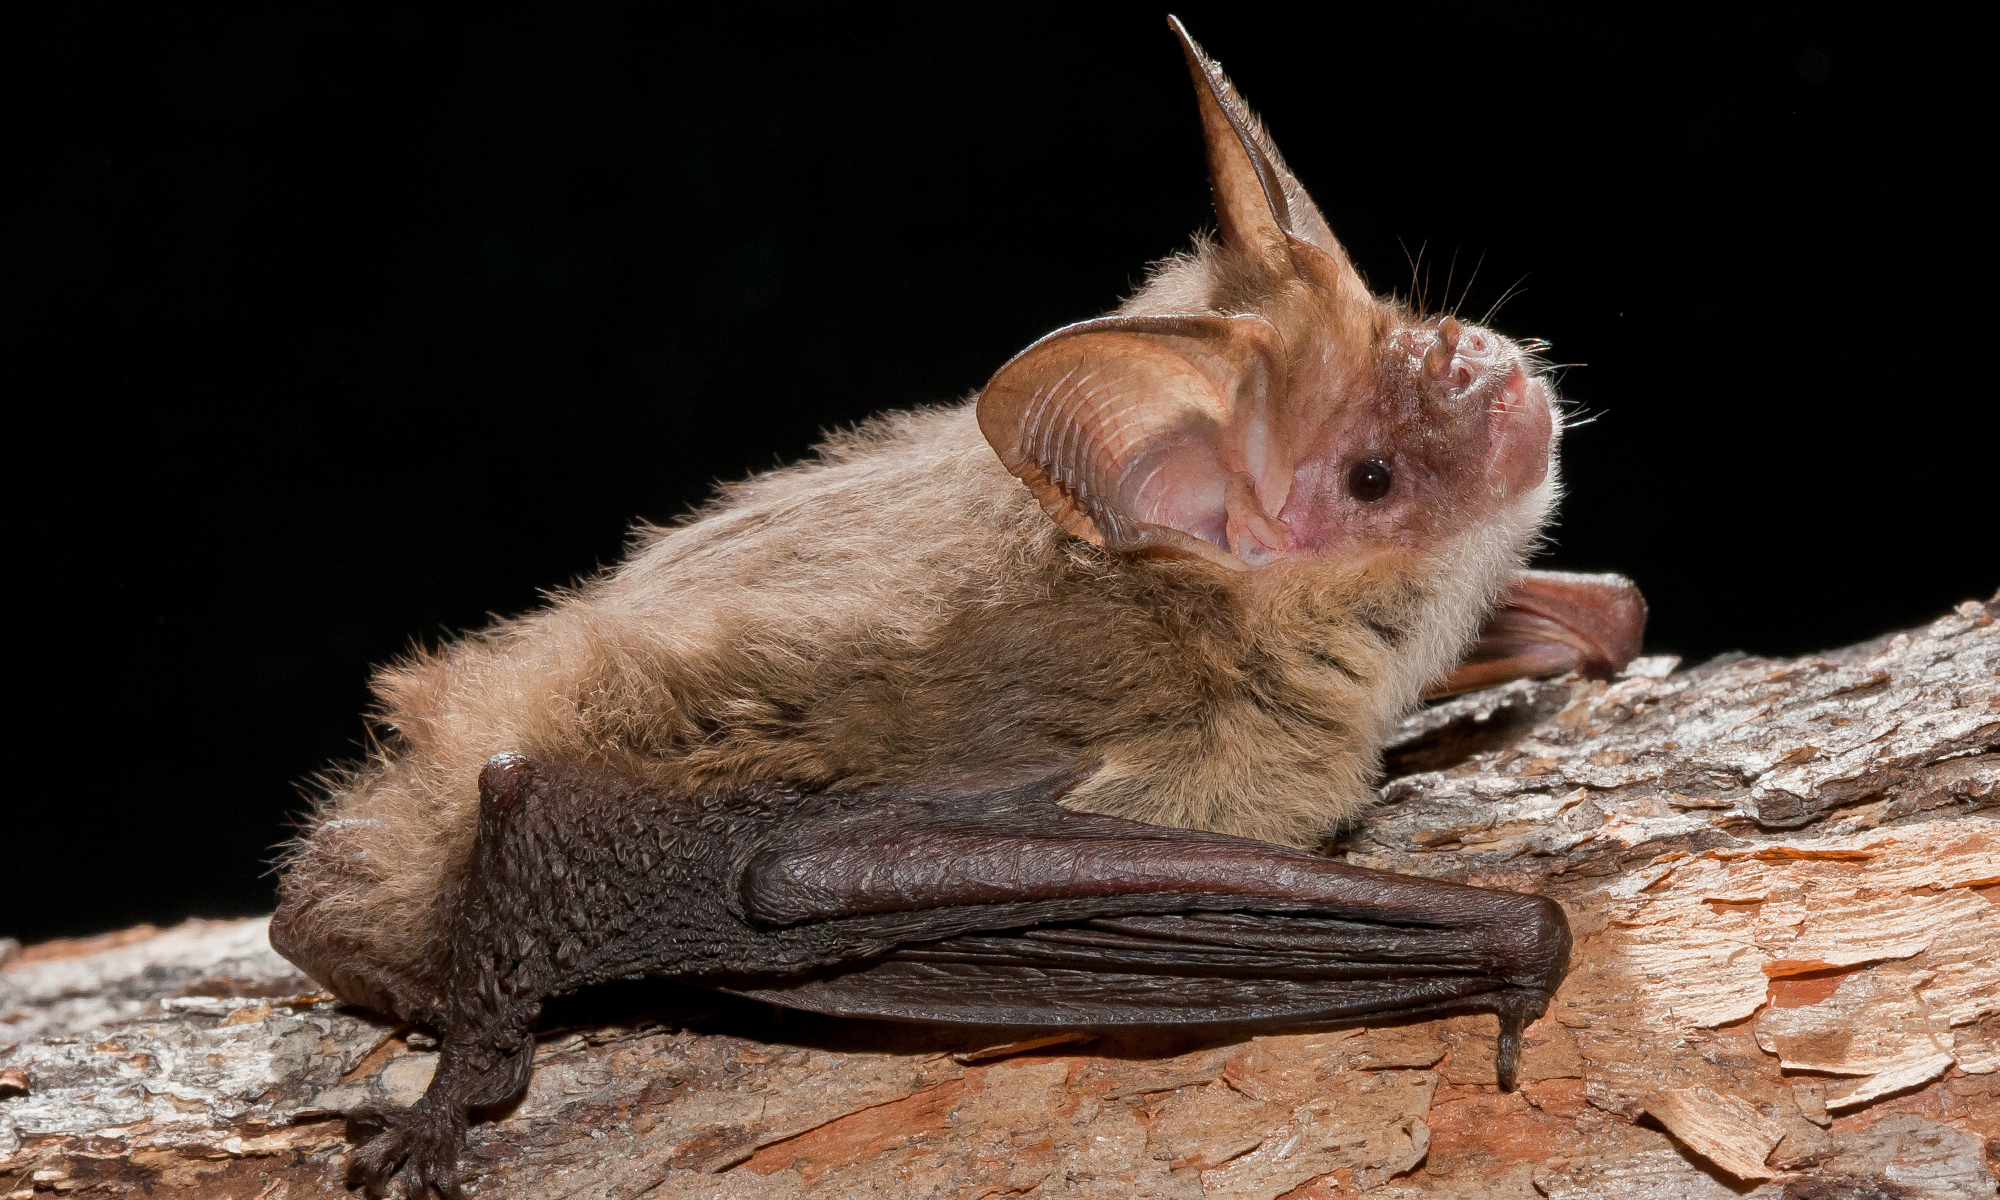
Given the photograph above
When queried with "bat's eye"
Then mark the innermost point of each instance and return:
(1369, 479)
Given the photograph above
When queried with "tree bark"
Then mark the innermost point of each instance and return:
(1784, 878)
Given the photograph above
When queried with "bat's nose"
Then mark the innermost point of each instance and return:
(1459, 357)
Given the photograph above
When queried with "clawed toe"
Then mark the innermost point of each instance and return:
(407, 1153)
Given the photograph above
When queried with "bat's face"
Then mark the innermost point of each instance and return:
(1323, 424)
(1257, 405)
(1451, 426)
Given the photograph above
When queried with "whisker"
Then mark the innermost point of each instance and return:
(1450, 270)
(1512, 291)
(1416, 269)
(1470, 280)
(1576, 416)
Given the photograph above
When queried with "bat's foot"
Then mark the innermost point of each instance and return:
(408, 1152)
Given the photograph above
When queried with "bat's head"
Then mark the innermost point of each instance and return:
(1255, 405)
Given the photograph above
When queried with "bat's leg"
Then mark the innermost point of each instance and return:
(575, 878)
(1551, 622)
(483, 1000)
(407, 1150)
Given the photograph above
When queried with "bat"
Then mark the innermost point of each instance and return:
(1024, 711)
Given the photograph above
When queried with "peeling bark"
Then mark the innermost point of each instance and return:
(1784, 878)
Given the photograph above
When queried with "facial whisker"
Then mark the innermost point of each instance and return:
(1416, 273)
(1470, 280)
(1512, 291)
(1450, 270)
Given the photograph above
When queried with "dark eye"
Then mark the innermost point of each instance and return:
(1369, 479)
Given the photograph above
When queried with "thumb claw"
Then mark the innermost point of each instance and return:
(1516, 1010)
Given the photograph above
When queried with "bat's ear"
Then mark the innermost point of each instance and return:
(1261, 211)
(1171, 432)
(1158, 433)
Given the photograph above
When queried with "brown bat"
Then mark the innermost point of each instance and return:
(891, 734)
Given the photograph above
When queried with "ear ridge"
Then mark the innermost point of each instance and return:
(1140, 433)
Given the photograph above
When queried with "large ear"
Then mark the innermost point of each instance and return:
(1261, 211)
(1150, 433)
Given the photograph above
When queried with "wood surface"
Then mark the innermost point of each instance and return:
(1784, 878)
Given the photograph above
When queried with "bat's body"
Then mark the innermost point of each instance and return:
(877, 736)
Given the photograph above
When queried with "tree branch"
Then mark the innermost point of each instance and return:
(1784, 877)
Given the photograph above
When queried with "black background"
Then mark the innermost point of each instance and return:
(338, 329)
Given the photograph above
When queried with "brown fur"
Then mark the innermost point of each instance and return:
(900, 611)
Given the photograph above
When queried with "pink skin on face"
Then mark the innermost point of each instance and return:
(1460, 424)
(1519, 429)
